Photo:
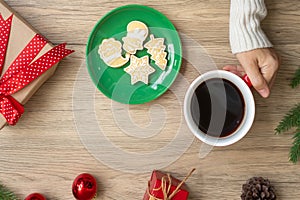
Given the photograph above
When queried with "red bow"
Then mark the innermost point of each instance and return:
(23, 70)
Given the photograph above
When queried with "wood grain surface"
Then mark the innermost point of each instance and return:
(43, 152)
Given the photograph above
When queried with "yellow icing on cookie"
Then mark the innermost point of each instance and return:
(137, 32)
(139, 69)
(110, 51)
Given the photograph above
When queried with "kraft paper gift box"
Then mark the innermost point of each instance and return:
(21, 34)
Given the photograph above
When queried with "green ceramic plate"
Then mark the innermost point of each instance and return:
(115, 82)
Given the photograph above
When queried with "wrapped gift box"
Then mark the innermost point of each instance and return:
(20, 35)
(160, 181)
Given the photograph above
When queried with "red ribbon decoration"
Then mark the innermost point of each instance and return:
(23, 70)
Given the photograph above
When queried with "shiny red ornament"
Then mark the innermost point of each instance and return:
(84, 187)
(35, 196)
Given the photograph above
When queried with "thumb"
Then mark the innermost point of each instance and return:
(257, 80)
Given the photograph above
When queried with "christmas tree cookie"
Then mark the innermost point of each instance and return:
(156, 49)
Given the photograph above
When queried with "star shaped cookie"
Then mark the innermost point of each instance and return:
(139, 69)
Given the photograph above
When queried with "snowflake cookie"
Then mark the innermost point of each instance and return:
(139, 69)
(110, 51)
(137, 32)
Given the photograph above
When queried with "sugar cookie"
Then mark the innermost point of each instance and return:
(110, 52)
(137, 32)
(156, 49)
(139, 69)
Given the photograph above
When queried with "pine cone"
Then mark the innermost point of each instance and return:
(258, 188)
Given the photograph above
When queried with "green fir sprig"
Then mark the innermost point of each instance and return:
(296, 80)
(5, 194)
(292, 120)
(295, 149)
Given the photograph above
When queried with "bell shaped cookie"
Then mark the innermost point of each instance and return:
(137, 32)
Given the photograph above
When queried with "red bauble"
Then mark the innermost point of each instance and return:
(35, 196)
(84, 187)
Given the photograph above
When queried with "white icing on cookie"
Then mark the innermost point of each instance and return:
(165, 74)
(110, 51)
(137, 32)
(139, 69)
(156, 49)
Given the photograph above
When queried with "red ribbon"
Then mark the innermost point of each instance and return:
(23, 70)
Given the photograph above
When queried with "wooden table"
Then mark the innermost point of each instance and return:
(43, 152)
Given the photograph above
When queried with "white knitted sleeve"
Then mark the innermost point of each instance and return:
(245, 31)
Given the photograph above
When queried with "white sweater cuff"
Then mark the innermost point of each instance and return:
(245, 30)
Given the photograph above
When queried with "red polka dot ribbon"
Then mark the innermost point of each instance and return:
(23, 70)
(5, 26)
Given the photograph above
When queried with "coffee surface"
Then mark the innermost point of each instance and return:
(217, 107)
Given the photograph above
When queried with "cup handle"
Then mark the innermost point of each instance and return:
(247, 80)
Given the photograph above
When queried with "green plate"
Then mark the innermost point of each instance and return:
(115, 82)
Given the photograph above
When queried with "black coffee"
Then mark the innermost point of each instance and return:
(217, 107)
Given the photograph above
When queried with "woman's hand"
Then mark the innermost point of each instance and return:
(261, 66)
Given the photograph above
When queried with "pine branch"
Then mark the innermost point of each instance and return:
(295, 149)
(292, 119)
(296, 80)
(5, 194)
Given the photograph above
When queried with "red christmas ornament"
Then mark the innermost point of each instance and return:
(84, 187)
(35, 196)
